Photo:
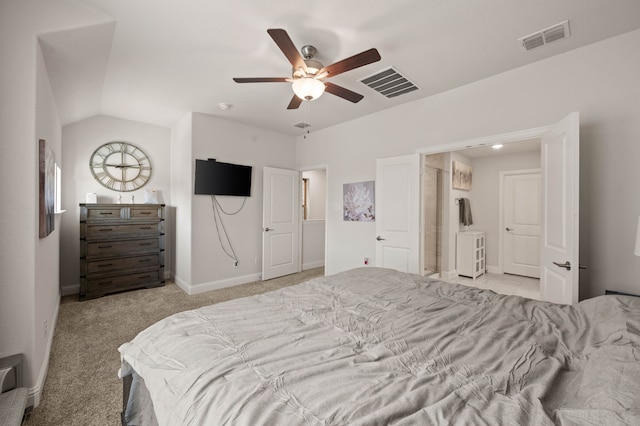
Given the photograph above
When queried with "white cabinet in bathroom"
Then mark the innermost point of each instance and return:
(470, 253)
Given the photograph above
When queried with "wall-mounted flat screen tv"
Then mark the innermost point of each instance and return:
(217, 178)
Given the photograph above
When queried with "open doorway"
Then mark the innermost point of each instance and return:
(314, 207)
(443, 226)
(432, 207)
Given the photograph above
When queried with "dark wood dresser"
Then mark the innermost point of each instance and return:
(121, 248)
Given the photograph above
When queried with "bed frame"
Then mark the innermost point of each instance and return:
(126, 390)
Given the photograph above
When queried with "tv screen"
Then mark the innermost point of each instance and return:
(216, 178)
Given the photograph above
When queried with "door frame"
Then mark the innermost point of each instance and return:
(501, 226)
(502, 138)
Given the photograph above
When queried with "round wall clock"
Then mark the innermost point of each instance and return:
(120, 166)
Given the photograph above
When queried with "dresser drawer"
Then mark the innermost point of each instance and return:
(103, 213)
(106, 284)
(145, 212)
(121, 212)
(98, 249)
(109, 231)
(127, 264)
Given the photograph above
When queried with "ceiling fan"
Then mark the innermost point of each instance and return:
(308, 76)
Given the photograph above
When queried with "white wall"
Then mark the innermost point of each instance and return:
(600, 81)
(181, 190)
(313, 232)
(29, 281)
(317, 193)
(47, 255)
(79, 141)
(227, 141)
(452, 212)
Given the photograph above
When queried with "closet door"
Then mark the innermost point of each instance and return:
(520, 192)
(559, 255)
(280, 223)
(397, 213)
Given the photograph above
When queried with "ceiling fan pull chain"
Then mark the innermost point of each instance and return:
(308, 117)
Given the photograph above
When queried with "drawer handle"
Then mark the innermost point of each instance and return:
(105, 265)
(146, 227)
(105, 229)
(105, 282)
(144, 260)
(144, 244)
(145, 212)
(145, 277)
(109, 213)
(105, 246)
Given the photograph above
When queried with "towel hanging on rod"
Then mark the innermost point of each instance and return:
(466, 218)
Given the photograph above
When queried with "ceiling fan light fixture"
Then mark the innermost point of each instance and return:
(308, 88)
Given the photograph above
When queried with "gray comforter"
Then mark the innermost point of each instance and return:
(376, 347)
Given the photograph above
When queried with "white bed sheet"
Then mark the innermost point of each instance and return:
(375, 347)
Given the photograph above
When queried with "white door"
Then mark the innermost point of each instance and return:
(280, 224)
(397, 213)
(559, 255)
(521, 222)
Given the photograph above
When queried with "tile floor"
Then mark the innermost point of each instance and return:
(503, 284)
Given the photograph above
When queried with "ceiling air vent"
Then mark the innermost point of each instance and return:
(390, 83)
(540, 38)
(302, 125)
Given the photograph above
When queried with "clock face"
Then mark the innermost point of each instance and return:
(120, 166)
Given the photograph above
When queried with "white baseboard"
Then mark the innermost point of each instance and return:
(215, 285)
(447, 275)
(311, 265)
(70, 289)
(493, 269)
(35, 392)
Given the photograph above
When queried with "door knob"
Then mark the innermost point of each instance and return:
(565, 265)
(268, 229)
(509, 229)
(379, 238)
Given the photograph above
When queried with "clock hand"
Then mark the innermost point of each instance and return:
(122, 166)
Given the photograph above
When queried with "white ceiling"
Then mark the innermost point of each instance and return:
(518, 147)
(155, 60)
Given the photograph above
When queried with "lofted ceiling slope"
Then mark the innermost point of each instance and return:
(157, 60)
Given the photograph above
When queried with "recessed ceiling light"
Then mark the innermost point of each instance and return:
(223, 106)
(496, 146)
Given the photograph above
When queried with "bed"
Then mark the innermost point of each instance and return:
(374, 346)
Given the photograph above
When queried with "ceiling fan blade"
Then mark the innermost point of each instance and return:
(261, 80)
(285, 44)
(355, 61)
(340, 91)
(295, 102)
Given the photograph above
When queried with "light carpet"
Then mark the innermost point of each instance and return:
(82, 385)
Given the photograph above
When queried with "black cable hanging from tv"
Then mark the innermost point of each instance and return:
(217, 208)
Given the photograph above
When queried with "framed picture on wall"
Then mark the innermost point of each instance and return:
(47, 178)
(462, 176)
(359, 202)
